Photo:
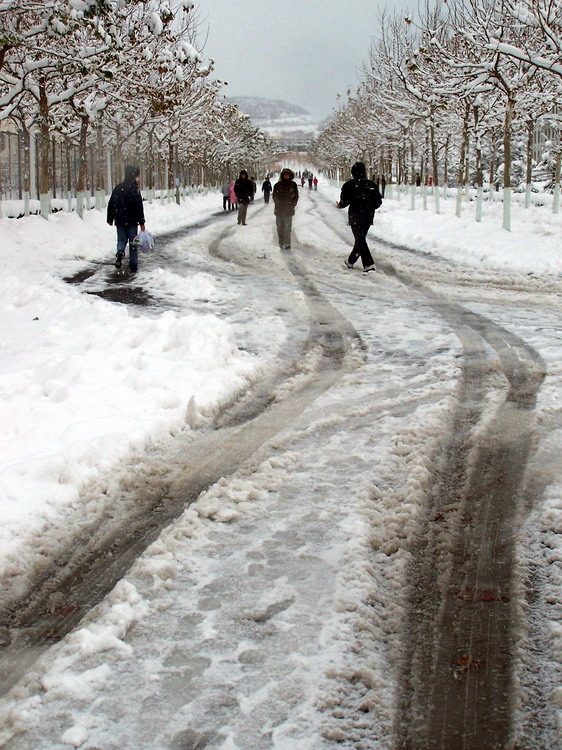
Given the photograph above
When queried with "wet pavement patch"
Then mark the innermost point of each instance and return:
(81, 276)
(126, 295)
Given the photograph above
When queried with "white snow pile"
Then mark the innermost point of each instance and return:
(84, 381)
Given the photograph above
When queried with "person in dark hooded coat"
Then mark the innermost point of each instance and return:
(285, 197)
(363, 198)
(126, 210)
(244, 189)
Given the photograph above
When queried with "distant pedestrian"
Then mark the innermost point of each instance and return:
(363, 198)
(266, 189)
(303, 180)
(126, 210)
(226, 196)
(244, 193)
(383, 185)
(285, 197)
(233, 198)
(310, 181)
(254, 187)
(315, 182)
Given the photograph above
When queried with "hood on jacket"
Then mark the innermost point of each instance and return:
(359, 170)
(243, 172)
(287, 171)
(131, 172)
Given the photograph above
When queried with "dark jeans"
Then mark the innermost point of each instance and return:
(360, 248)
(225, 202)
(266, 195)
(126, 234)
(284, 224)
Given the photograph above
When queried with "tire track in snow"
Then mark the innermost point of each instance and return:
(457, 684)
(97, 558)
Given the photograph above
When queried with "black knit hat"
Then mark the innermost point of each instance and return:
(131, 172)
(359, 169)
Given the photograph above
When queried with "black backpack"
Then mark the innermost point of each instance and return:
(367, 196)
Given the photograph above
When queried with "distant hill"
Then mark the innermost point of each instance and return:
(277, 118)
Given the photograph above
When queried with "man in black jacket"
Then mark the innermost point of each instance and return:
(126, 210)
(363, 198)
(285, 197)
(244, 189)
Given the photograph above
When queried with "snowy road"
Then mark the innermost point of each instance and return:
(350, 570)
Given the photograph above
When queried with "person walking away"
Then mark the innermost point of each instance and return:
(244, 193)
(303, 180)
(310, 181)
(233, 198)
(315, 181)
(285, 197)
(363, 198)
(383, 185)
(126, 210)
(266, 189)
(226, 196)
(254, 187)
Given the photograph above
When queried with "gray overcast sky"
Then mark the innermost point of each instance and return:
(302, 51)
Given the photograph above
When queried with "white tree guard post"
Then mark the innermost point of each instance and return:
(479, 200)
(528, 196)
(458, 206)
(507, 209)
(32, 165)
(45, 203)
(413, 198)
(436, 199)
(556, 199)
(80, 204)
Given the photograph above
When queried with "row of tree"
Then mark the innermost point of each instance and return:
(456, 96)
(125, 76)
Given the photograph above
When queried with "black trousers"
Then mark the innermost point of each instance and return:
(360, 248)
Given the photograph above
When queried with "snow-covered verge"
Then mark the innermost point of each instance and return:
(83, 381)
(532, 246)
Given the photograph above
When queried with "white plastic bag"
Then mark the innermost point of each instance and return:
(146, 242)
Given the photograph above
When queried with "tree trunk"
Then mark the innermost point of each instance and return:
(446, 167)
(493, 160)
(44, 151)
(26, 137)
(529, 164)
(508, 126)
(460, 175)
(82, 164)
(99, 173)
(171, 162)
(68, 174)
(556, 196)
(434, 165)
(150, 165)
(479, 171)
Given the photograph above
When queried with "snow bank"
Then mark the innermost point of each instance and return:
(83, 381)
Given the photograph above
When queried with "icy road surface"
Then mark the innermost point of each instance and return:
(360, 559)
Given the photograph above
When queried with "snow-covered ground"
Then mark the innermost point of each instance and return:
(268, 614)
